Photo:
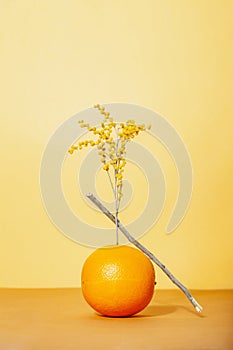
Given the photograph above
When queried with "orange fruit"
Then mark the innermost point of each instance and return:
(118, 281)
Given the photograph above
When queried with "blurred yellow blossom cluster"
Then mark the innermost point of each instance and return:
(111, 138)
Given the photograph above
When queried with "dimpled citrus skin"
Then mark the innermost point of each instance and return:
(118, 281)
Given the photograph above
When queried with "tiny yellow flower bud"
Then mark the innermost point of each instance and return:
(106, 167)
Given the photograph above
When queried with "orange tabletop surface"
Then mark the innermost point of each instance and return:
(41, 319)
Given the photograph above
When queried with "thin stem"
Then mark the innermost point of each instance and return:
(197, 307)
(116, 210)
(110, 181)
(115, 200)
(115, 192)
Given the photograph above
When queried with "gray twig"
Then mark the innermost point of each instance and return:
(145, 251)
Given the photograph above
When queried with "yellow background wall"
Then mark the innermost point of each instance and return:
(60, 57)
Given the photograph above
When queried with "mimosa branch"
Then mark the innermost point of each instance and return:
(197, 307)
